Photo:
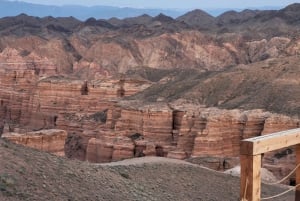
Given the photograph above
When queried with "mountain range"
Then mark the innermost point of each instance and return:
(195, 40)
(186, 87)
(13, 8)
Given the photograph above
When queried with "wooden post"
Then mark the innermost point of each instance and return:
(251, 150)
(297, 192)
(250, 177)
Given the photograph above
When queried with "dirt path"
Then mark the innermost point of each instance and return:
(147, 160)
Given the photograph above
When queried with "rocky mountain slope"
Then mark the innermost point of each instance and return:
(26, 174)
(272, 84)
(152, 86)
(195, 40)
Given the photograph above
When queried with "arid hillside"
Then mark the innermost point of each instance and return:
(272, 84)
(185, 88)
(192, 41)
(26, 174)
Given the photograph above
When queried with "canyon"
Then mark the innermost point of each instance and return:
(151, 86)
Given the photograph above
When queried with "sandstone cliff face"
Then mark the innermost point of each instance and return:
(35, 53)
(113, 149)
(52, 140)
(117, 91)
(45, 103)
(148, 129)
(88, 111)
(15, 95)
(30, 102)
(183, 132)
(214, 132)
(91, 112)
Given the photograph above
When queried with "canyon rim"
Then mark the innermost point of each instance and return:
(189, 88)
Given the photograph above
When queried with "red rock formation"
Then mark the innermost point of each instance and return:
(15, 93)
(59, 102)
(202, 132)
(123, 149)
(52, 140)
(253, 123)
(185, 131)
(73, 82)
(276, 123)
(183, 136)
(49, 102)
(78, 106)
(109, 149)
(144, 131)
(157, 124)
(85, 103)
(99, 151)
(181, 155)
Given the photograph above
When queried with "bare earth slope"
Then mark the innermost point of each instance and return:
(195, 40)
(26, 174)
(272, 84)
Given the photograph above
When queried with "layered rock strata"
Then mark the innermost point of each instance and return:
(91, 109)
(187, 131)
(54, 102)
(52, 140)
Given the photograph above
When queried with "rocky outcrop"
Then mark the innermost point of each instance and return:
(261, 50)
(55, 101)
(101, 128)
(214, 132)
(15, 94)
(96, 119)
(29, 102)
(185, 131)
(145, 131)
(90, 56)
(52, 140)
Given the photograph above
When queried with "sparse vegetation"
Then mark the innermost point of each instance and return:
(100, 116)
(7, 184)
(248, 88)
(27, 174)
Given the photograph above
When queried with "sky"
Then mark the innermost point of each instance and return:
(179, 4)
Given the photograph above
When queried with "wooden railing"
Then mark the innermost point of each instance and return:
(251, 153)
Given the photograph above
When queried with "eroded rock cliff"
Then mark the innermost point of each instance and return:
(52, 140)
(152, 86)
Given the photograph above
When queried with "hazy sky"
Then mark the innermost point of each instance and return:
(172, 3)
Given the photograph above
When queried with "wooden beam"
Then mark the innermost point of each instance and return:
(271, 142)
(297, 192)
(250, 178)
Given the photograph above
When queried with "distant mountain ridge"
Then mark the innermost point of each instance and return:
(14, 8)
(253, 23)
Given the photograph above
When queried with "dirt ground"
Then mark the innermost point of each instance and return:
(27, 174)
